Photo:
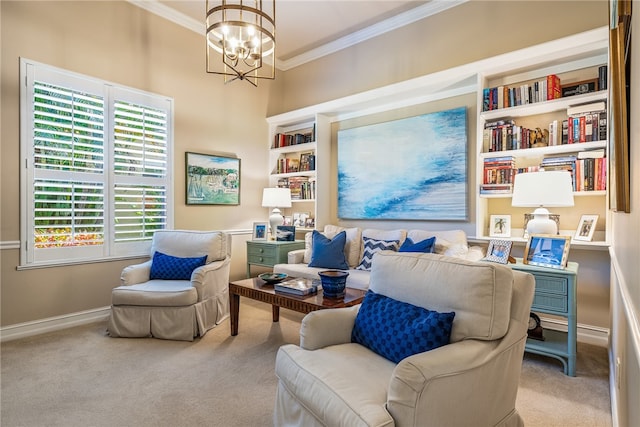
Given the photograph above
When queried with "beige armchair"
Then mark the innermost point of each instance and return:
(169, 306)
(472, 381)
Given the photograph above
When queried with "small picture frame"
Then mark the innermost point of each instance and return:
(500, 226)
(499, 251)
(260, 230)
(547, 250)
(285, 233)
(288, 220)
(586, 228)
(305, 161)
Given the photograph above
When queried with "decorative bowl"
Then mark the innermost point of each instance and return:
(333, 283)
(273, 277)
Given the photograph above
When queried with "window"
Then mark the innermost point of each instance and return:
(96, 181)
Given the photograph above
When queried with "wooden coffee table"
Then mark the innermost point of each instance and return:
(259, 290)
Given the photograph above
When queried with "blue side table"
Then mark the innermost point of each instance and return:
(555, 294)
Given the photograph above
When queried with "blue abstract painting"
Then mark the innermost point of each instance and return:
(413, 168)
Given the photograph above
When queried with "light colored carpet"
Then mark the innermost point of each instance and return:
(81, 377)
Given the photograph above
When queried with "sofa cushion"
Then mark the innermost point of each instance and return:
(426, 245)
(328, 253)
(478, 292)
(371, 246)
(448, 242)
(167, 267)
(351, 246)
(396, 330)
(187, 243)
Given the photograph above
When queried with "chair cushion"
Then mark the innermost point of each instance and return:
(371, 246)
(478, 292)
(167, 267)
(159, 293)
(426, 245)
(396, 330)
(328, 253)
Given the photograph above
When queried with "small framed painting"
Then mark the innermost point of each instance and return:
(212, 179)
(260, 230)
(547, 250)
(285, 233)
(586, 228)
(500, 226)
(499, 251)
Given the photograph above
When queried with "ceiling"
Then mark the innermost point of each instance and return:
(309, 29)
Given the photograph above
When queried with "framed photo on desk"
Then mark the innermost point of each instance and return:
(547, 250)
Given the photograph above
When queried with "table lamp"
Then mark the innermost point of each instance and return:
(276, 198)
(542, 190)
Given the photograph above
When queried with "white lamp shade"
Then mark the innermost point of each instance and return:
(549, 189)
(276, 198)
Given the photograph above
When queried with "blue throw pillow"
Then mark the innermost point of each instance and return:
(396, 330)
(425, 245)
(371, 246)
(328, 253)
(167, 267)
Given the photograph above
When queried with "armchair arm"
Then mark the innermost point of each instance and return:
(134, 274)
(295, 257)
(323, 328)
(426, 389)
(211, 279)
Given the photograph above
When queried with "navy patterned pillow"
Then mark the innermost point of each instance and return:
(396, 330)
(169, 267)
(371, 246)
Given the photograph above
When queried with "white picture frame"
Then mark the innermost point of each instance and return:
(500, 226)
(586, 228)
(260, 231)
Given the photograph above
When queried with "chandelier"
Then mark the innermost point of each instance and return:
(242, 33)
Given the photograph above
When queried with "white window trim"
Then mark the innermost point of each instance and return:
(26, 169)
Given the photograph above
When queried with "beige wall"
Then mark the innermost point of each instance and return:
(124, 44)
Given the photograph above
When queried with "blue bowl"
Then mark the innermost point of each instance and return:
(333, 283)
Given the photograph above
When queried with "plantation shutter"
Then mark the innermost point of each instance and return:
(96, 182)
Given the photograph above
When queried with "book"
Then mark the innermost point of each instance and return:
(591, 107)
(302, 286)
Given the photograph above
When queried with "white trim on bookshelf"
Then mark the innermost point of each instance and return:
(36, 327)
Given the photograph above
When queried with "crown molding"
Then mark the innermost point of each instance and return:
(429, 9)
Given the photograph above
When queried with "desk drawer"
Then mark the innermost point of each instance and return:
(261, 250)
(551, 284)
(261, 259)
(553, 302)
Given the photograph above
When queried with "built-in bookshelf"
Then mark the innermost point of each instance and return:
(544, 114)
(292, 163)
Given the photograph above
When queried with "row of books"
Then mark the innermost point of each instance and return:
(287, 139)
(588, 171)
(287, 165)
(587, 126)
(503, 96)
(301, 187)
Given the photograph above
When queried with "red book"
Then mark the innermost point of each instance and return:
(553, 87)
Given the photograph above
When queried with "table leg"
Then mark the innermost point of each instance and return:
(275, 311)
(234, 306)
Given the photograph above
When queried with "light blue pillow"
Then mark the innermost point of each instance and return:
(396, 330)
(426, 245)
(167, 267)
(328, 253)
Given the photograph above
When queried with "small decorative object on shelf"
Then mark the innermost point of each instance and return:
(535, 328)
(546, 250)
(334, 283)
(500, 226)
(499, 251)
(586, 228)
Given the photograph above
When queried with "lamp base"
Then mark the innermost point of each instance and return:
(541, 223)
(275, 219)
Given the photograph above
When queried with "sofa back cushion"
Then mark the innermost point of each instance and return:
(351, 246)
(478, 292)
(187, 244)
(328, 253)
(448, 242)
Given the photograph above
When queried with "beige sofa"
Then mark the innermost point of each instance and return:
(450, 242)
(472, 381)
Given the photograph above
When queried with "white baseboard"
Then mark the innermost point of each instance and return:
(27, 329)
(588, 334)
